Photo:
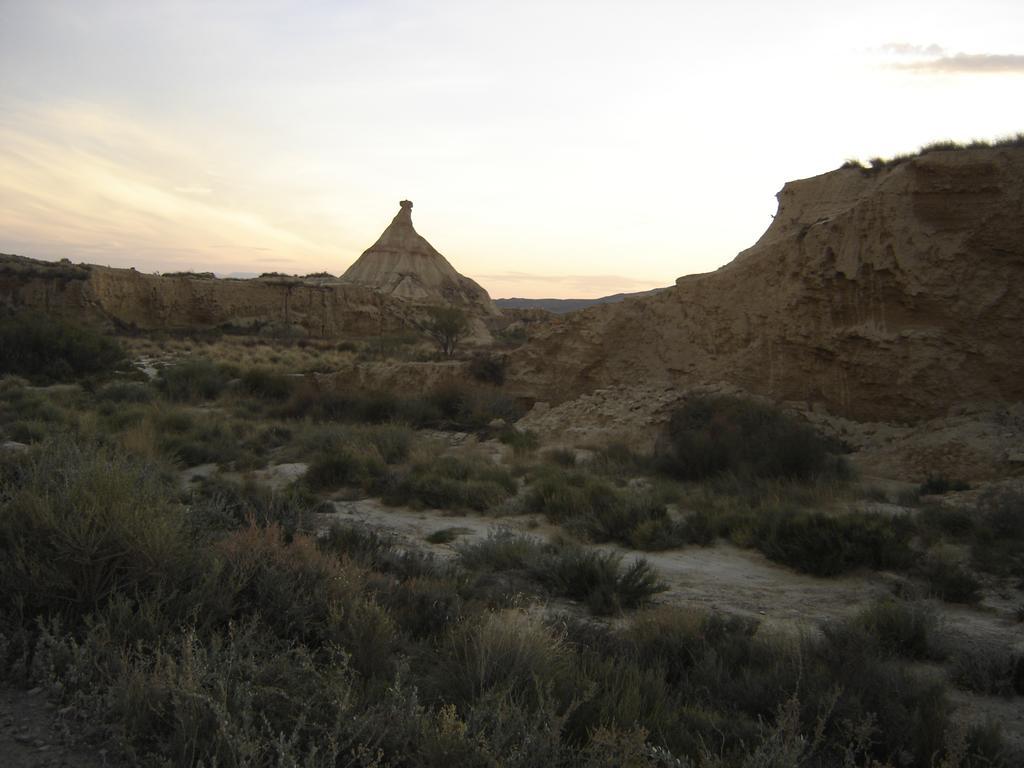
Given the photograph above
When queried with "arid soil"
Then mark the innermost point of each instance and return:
(35, 733)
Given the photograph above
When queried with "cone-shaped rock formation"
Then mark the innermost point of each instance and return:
(403, 264)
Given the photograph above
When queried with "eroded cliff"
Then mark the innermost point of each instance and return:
(890, 294)
(131, 300)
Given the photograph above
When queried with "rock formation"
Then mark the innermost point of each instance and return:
(888, 294)
(128, 299)
(388, 289)
(403, 264)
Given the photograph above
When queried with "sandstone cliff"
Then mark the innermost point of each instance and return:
(131, 300)
(889, 294)
(403, 264)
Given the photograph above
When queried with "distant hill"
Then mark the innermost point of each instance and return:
(562, 306)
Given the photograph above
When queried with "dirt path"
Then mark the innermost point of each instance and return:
(34, 733)
(721, 577)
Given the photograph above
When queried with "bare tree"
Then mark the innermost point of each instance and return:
(447, 326)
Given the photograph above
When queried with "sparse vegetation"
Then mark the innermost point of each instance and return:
(877, 163)
(714, 435)
(207, 624)
(46, 349)
(194, 380)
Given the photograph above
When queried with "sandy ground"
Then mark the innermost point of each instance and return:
(34, 733)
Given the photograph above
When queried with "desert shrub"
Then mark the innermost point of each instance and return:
(990, 671)
(523, 441)
(488, 369)
(344, 467)
(218, 504)
(902, 628)
(125, 392)
(709, 436)
(618, 461)
(191, 700)
(456, 406)
(825, 545)
(1002, 513)
(82, 524)
(561, 457)
(568, 495)
(599, 581)
(266, 384)
(593, 507)
(998, 546)
(635, 519)
(30, 416)
(938, 484)
(447, 482)
(47, 349)
(379, 551)
(193, 380)
(190, 437)
(947, 521)
(510, 651)
(949, 580)
(446, 535)
(391, 443)
(592, 577)
(317, 400)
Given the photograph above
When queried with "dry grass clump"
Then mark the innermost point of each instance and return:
(46, 349)
(876, 164)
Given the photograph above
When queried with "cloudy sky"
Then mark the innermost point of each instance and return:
(559, 148)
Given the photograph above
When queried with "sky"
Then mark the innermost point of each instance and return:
(567, 148)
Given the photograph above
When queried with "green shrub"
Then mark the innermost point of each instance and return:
(592, 577)
(217, 504)
(488, 369)
(523, 441)
(989, 671)
(949, 580)
(47, 349)
(447, 482)
(998, 546)
(125, 392)
(266, 384)
(446, 535)
(510, 651)
(83, 524)
(343, 467)
(939, 484)
(562, 457)
(826, 545)
(902, 628)
(193, 380)
(712, 435)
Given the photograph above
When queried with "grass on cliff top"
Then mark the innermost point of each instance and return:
(878, 163)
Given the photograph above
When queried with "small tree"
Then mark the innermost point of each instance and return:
(447, 326)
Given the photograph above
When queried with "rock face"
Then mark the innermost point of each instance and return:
(129, 299)
(893, 294)
(403, 264)
(387, 290)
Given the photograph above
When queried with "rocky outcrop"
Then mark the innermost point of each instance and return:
(131, 300)
(403, 264)
(389, 289)
(893, 294)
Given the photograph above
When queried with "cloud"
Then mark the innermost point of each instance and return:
(934, 59)
(968, 63)
(112, 192)
(911, 49)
